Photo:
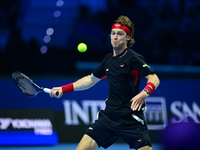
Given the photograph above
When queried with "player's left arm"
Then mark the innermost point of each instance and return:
(153, 78)
(152, 83)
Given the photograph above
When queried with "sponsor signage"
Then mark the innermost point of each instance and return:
(16, 125)
(39, 126)
(156, 113)
(174, 101)
(86, 112)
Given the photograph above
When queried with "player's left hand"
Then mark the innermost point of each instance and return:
(138, 100)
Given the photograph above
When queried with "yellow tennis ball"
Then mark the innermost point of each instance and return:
(82, 47)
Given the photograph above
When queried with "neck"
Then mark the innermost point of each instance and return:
(117, 51)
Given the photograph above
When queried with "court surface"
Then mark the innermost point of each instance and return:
(64, 146)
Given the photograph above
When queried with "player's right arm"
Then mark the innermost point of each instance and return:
(81, 84)
(85, 82)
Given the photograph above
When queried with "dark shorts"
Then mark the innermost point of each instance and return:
(109, 128)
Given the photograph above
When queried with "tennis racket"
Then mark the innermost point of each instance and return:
(27, 86)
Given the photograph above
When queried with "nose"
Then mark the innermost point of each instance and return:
(115, 36)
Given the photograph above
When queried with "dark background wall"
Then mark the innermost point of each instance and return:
(41, 37)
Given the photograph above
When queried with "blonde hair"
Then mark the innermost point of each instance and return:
(124, 20)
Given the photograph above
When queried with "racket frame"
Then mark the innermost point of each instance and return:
(38, 88)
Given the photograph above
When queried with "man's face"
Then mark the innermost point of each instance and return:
(119, 38)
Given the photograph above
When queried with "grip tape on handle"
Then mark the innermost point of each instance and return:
(47, 90)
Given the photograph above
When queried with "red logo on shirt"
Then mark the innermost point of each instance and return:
(122, 65)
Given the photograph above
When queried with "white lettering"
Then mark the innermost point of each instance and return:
(188, 114)
(43, 131)
(156, 113)
(182, 112)
(79, 112)
(30, 123)
(67, 111)
(40, 126)
(4, 123)
(196, 110)
(174, 109)
(74, 113)
(16, 124)
(95, 107)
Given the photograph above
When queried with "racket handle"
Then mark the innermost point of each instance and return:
(47, 90)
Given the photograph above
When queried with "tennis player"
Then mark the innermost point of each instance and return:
(123, 116)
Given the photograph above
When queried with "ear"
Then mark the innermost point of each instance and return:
(128, 38)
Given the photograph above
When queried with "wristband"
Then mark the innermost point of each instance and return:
(150, 87)
(147, 91)
(68, 88)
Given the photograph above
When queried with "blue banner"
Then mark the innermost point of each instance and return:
(173, 101)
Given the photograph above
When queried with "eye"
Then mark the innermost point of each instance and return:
(120, 33)
(113, 33)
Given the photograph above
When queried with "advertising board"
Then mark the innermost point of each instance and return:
(174, 101)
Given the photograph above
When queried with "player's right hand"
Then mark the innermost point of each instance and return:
(56, 92)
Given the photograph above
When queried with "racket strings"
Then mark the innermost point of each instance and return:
(25, 85)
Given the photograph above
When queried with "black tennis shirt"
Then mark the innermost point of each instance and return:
(123, 73)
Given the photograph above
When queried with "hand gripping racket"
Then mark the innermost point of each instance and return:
(27, 86)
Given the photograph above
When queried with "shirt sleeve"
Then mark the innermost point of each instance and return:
(141, 66)
(99, 72)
